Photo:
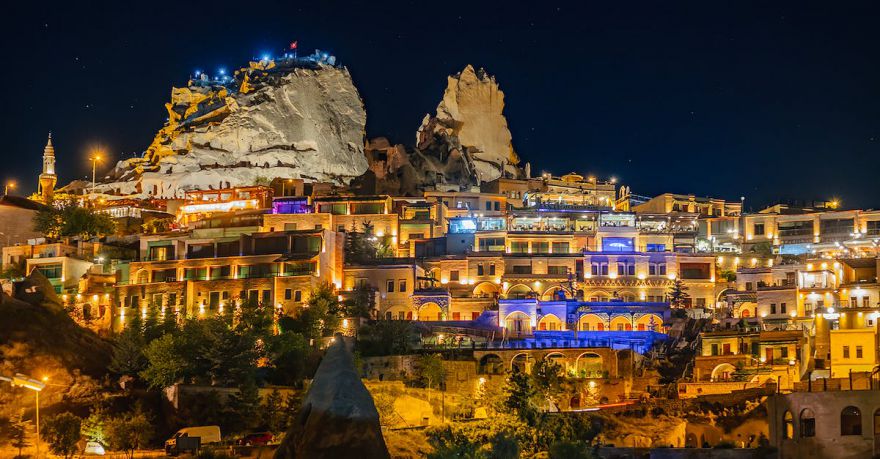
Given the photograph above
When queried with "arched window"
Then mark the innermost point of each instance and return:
(850, 421)
(787, 425)
(808, 423)
(877, 422)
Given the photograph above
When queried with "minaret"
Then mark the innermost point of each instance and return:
(48, 177)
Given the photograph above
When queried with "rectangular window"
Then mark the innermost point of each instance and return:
(172, 299)
(759, 229)
(661, 268)
(594, 269)
(700, 302)
(560, 247)
(656, 248)
(213, 300)
(772, 308)
(621, 269)
(557, 270)
(859, 352)
(267, 297)
(453, 275)
(866, 302)
(298, 296)
(522, 269)
(846, 352)
(288, 294)
(389, 286)
(540, 247)
(480, 269)
(492, 244)
(714, 349)
(402, 286)
(519, 247)
(491, 269)
(603, 268)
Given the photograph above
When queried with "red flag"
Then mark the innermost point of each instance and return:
(293, 45)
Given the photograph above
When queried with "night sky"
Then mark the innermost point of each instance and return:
(767, 101)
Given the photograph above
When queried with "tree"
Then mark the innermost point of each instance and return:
(244, 408)
(360, 304)
(365, 245)
(68, 219)
(547, 380)
(520, 395)
(62, 432)
(93, 427)
(321, 316)
(128, 350)
(18, 431)
(273, 412)
(678, 294)
(130, 431)
(430, 370)
(166, 365)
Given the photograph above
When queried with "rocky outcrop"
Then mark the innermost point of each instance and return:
(469, 128)
(290, 118)
(338, 417)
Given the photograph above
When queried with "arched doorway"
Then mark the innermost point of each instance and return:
(430, 312)
(850, 421)
(723, 372)
(486, 290)
(649, 322)
(555, 293)
(621, 323)
(519, 291)
(807, 423)
(550, 323)
(591, 322)
(589, 365)
(518, 324)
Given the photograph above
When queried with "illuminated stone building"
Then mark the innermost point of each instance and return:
(205, 271)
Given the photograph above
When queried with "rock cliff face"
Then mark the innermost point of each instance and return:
(470, 122)
(288, 118)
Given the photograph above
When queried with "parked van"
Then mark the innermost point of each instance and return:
(189, 439)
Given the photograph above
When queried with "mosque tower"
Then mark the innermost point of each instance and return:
(48, 179)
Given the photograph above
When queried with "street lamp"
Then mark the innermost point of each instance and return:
(21, 380)
(10, 185)
(94, 159)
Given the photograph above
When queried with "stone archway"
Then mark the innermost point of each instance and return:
(591, 322)
(550, 322)
(430, 311)
(518, 323)
(621, 323)
(486, 290)
(723, 372)
(552, 293)
(519, 291)
(649, 322)
(589, 365)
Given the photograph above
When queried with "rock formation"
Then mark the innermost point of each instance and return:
(470, 124)
(289, 118)
(338, 417)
